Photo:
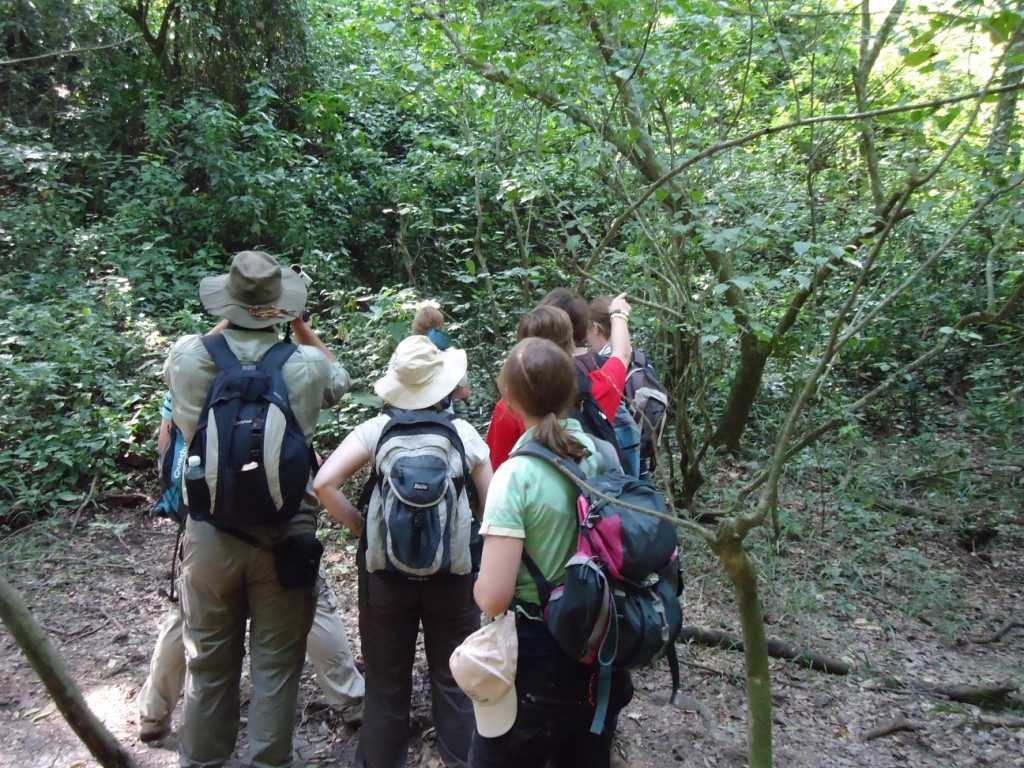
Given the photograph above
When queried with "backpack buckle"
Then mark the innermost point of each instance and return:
(256, 449)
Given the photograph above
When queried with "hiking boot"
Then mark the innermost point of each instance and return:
(352, 713)
(151, 730)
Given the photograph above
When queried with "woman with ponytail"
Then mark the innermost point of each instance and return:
(531, 510)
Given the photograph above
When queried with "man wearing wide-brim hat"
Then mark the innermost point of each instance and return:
(228, 579)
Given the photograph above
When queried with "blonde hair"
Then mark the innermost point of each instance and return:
(427, 317)
(539, 377)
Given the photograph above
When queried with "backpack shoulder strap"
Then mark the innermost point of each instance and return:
(535, 449)
(588, 363)
(543, 585)
(273, 359)
(218, 349)
(583, 383)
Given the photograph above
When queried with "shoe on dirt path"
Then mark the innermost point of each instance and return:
(352, 713)
(151, 730)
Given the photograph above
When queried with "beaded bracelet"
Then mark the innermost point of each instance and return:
(619, 313)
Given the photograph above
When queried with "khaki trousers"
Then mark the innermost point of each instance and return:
(327, 648)
(224, 582)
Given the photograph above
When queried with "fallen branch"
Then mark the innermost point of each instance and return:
(991, 696)
(778, 649)
(1000, 634)
(899, 725)
(79, 633)
(979, 695)
(1001, 721)
(36, 646)
(85, 501)
(73, 561)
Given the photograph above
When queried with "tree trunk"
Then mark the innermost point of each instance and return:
(745, 384)
(36, 646)
(1000, 150)
(743, 575)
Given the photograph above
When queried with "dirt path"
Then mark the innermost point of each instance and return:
(96, 590)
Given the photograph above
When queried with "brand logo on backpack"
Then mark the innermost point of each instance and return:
(254, 456)
(418, 517)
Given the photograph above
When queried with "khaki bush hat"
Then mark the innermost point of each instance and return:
(420, 375)
(255, 293)
(484, 667)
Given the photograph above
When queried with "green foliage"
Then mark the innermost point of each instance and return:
(74, 406)
(354, 139)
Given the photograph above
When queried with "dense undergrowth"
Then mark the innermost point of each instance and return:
(394, 169)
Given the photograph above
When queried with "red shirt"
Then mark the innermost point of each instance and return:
(506, 428)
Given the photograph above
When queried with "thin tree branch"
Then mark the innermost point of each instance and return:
(68, 52)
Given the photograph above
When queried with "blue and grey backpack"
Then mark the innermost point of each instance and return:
(254, 456)
(417, 502)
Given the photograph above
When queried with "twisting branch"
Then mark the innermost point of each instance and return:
(679, 522)
(770, 130)
(633, 299)
(975, 318)
(767, 500)
(928, 263)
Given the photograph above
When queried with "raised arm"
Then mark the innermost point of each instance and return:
(618, 312)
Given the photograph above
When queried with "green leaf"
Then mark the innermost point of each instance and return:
(801, 247)
(366, 398)
(741, 282)
(920, 56)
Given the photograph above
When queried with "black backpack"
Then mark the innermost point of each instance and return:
(419, 518)
(618, 605)
(648, 404)
(253, 454)
(590, 416)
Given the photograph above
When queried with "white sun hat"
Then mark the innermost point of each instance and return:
(420, 375)
(484, 667)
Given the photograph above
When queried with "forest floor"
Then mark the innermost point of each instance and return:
(889, 593)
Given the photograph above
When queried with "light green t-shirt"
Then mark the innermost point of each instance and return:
(531, 500)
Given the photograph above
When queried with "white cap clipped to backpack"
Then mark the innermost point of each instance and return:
(484, 667)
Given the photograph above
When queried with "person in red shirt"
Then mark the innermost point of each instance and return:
(568, 329)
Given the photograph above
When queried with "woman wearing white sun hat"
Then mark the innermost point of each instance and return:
(392, 603)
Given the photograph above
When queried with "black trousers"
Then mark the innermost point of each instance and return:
(555, 711)
(390, 613)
